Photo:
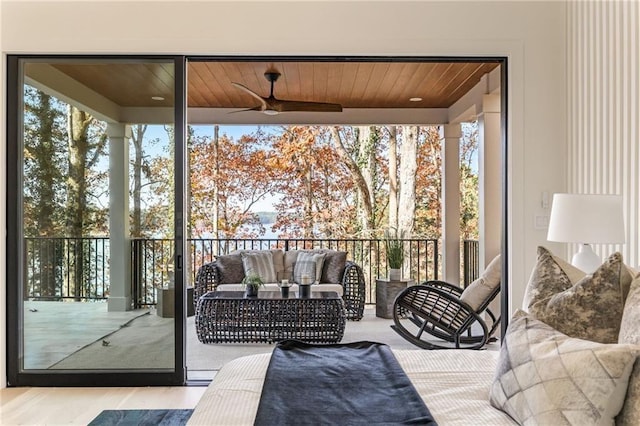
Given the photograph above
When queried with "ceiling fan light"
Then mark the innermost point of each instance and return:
(270, 112)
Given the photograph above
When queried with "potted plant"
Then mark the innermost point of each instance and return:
(394, 249)
(252, 283)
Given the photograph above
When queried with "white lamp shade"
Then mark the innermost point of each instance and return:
(587, 219)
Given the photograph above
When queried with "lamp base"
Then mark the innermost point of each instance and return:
(586, 260)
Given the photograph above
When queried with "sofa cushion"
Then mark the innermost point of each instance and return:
(259, 263)
(478, 291)
(546, 377)
(293, 289)
(230, 269)
(308, 264)
(589, 309)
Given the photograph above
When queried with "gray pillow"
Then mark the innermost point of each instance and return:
(333, 267)
(230, 268)
(259, 263)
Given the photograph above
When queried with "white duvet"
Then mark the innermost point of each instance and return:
(454, 384)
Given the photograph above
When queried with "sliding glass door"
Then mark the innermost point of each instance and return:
(96, 164)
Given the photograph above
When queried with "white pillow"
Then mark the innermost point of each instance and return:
(308, 264)
(548, 378)
(259, 263)
(479, 290)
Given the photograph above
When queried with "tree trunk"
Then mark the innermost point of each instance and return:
(367, 141)
(216, 186)
(363, 191)
(45, 200)
(408, 168)
(137, 138)
(78, 146)
(393, 177)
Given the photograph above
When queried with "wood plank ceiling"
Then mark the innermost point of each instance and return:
(351, 84)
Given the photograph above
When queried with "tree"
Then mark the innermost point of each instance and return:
(84, 149)
(361, 184)
(469, 184)
(43, 171)
(243, 179)
(407, 172)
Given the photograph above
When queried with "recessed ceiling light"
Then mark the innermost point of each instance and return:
(415, 99)
(157, 98)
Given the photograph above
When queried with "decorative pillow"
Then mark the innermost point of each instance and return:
(278, 260)
(308, 264)
(333, 266)
(630, 414)
(630, 333)
(590, 309)
(550, 275)
(630, 324)
(545, 377)
(290, 257)
(230, 268)
(260, 263)
(478, 291)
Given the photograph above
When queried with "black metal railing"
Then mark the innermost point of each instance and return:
(78, 268)
(66, 268)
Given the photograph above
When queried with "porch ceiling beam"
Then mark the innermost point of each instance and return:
(56, 83)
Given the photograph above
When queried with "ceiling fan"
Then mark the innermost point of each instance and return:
(273, 106)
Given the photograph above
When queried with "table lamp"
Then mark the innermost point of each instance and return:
(586, 219)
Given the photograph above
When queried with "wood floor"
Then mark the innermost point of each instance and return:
(78, 406)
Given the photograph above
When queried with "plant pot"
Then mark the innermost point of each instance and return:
(395, 274)
(251, 291)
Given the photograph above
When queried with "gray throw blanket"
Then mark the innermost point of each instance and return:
(342, 384)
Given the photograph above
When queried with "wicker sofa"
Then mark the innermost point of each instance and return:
(340, 275)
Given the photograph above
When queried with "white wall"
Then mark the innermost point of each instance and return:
(530, 34)
(604, 109)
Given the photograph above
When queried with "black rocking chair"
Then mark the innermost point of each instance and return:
(434, 309)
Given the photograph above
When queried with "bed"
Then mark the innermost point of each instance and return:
(454, 385)
(570, 357)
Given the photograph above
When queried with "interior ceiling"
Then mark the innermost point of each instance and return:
(352, 84)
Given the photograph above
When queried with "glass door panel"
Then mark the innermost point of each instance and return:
(96, 150)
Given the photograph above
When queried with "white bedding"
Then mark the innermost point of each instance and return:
(454, 384)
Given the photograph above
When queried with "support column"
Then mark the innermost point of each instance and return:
(119, 235)
(451, 203)
(490, 179)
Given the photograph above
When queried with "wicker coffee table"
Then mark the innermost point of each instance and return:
(229, 316)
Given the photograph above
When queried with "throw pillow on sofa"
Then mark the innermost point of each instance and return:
(546, 377)
(230, 268)
(308, 264)
(590, 308)
(259, 263)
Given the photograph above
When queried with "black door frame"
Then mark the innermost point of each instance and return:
(16, 377)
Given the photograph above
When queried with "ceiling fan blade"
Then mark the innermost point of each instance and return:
(258, 108)
(252, 93)
(303, 106)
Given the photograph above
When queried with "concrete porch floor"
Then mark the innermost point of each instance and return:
(55, 330)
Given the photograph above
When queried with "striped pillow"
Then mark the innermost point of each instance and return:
(261, 264)
(309, 264)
